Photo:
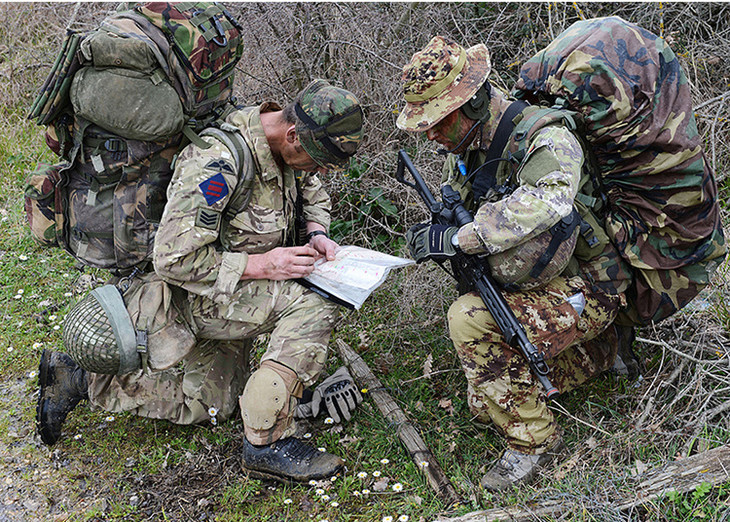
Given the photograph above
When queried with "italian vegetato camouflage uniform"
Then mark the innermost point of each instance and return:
(202, 250)
(563, 316)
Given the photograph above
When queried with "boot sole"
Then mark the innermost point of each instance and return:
(262, 475)
(42, 383)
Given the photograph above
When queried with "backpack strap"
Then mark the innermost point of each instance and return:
(483, 181)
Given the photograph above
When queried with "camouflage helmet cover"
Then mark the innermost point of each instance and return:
(329, 124)
(440, 79)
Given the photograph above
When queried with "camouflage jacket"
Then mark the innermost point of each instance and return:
(545, 182)
(189, 248)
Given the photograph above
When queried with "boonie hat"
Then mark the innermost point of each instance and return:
(329, 124)
(440, 79)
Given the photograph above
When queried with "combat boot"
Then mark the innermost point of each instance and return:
(626, 364)
(514, 468)
(63, 385)
(289, 460)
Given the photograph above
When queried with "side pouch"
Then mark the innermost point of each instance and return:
(159, 322)
(42, 198)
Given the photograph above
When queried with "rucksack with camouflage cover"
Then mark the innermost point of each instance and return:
(119, 104)
(653, 187)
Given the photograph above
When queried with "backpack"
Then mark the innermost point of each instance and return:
(655, 192)
(120, 103)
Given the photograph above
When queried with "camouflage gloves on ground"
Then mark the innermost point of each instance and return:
(337, 394)
(431, 242)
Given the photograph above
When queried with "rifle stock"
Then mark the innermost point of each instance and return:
(474, 271)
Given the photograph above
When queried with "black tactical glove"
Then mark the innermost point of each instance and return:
(431, 242)
(337, 394)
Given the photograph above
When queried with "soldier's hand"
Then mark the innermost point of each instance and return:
(281, 263)
(431, 242)
(324, 246)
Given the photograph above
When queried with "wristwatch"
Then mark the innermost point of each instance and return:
(316, 233)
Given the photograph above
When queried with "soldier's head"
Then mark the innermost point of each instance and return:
(328, 124)
(446, 91)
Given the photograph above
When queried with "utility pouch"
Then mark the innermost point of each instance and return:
(42, 198)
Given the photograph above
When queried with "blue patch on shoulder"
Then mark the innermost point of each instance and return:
(214, 189)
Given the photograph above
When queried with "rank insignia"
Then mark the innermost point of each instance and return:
(207, 218)
(214, 188)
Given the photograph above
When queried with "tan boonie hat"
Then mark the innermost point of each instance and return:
(440, 79)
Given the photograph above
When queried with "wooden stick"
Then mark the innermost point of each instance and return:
(422, 456)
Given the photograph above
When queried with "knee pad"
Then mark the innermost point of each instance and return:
(266, 398)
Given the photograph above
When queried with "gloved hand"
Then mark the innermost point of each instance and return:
(431, 242)
(337, 394)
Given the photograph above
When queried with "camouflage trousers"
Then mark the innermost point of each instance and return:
(214, 374)
(500, 385)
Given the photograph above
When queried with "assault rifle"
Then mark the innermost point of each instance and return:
(473, 270)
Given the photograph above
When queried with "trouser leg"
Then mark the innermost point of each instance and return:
(300, 323)
(501, 387)
(212, 376)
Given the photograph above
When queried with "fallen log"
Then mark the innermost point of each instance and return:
(422, 456)
(682, 476)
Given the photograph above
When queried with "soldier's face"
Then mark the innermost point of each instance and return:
(451, 130)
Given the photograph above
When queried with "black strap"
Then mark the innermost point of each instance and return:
(485, 179)
(560, 231)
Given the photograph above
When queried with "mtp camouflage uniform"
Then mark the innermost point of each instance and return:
(201, 249)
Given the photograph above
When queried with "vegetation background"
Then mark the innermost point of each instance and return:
(126, 468)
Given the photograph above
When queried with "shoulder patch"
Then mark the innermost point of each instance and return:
(207, 218)
(214, 188)
(219, 166)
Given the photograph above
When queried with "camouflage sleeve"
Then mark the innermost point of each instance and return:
(185, 252)
(317, 204)
(548, 178)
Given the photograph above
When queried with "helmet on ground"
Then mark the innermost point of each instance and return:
(98, 334)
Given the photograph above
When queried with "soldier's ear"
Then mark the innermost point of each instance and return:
(291, 134)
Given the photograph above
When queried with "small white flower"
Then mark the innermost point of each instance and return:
(334, 504)
(10, 349)
(21, 291)
(18, 296)
(326, 498)
(52, 317)
(329, 420)
(388, 519)
(288, 501)
(67, 294)
(365, 491)
(44, 260)
(319, 491)
(57, 327)
(324, 520)
(109, 418)
(423, 464)
(66, 274)
(37, 345)
(403, 518)
(356, 493)
(322, 449)
(307, 435)
(384, 461)
(312, 482)
(212, 411)
(32, 374)
(333, 478)
(376, 473)
(362, 474)
(77, 436)
(397, 487)
(214, 421)
(23, 257)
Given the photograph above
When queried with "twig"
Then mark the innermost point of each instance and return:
(562, 410)
(431, 374)
(711, 101)
(363, 49)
